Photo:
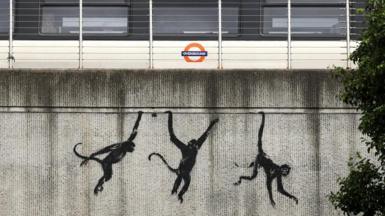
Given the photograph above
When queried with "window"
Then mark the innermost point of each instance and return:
(4, 17)
(193, 19)
(99, 17)
(198, 20)
(325, 18)
(181, 19)
(357, 21)
(306, 1)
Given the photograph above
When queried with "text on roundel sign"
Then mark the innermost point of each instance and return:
(202, 53)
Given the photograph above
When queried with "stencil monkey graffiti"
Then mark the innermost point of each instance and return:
(272, 170)
(116, 153)
(189, 154)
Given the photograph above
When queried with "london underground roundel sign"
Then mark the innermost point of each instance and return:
(194, 52)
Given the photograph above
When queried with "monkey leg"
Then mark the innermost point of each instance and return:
(99, 186)
(187, 180)
(269, 181)
(107, 174)
(249, 178)
(281, 190)
(176, 184)
(107, 169)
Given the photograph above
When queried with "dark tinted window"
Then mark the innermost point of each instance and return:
(314, 2)
(86, 1)
(309, 18)
(4, 16)
(96, 20)
(357, 18)
(315, 21)
(194, 20)
(102, 19)
(182, 19)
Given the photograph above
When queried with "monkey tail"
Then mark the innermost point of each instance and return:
(164, 161)
(260, 133)
(85, 157)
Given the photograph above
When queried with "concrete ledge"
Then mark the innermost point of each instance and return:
(169, 88)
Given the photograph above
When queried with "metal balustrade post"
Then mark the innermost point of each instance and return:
(220, 63)
(151, 39)
(11, 59)
(289, 34)
(347, 34)
(80, 34)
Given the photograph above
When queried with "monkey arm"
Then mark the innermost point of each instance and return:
(260, 133)
(281, 190)
(173, 138)
(204, 136)
(135, 128)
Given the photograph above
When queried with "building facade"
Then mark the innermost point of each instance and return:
(257, 128)
(210, 34)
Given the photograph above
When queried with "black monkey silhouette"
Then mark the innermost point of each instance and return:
(189, 154)
(271, 169)
(116, 152)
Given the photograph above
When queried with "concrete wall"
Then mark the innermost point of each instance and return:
(44, 113)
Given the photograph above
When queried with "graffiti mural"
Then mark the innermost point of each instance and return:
(116, 153)
(189, 154)
(272, 170)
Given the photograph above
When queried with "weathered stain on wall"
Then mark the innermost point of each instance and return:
(246, 89)
(43, 114)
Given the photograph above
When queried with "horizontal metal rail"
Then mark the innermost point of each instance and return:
(247, 34)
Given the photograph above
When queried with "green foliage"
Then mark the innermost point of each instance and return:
(364, 87)
(363, 190)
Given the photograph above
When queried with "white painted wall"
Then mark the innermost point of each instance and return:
(167, 54)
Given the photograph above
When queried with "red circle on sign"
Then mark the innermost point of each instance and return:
(194, 45)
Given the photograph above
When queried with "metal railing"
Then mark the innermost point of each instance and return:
(225, 49)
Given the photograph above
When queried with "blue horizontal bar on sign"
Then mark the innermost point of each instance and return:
(194, 53)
